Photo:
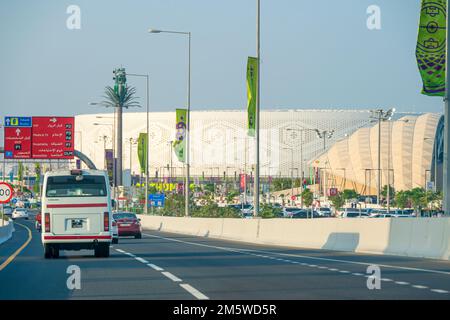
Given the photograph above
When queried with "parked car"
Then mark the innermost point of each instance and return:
(246, 208)
(354, 214)
(302, 214)
(289, 212)
(382, 215)
(128, 224)
(20, 213)
(323, 212)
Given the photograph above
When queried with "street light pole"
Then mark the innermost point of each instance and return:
(380, 115)
(257, 113)
(188, 115)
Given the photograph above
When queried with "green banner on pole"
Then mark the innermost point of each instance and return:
(142, 150)
(431, 46)
(252, 89)
(179, 144)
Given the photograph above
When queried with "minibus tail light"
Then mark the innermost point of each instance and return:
(47, 222)
(106, 221)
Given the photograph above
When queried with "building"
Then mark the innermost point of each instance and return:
(411, 154)
(220, 144)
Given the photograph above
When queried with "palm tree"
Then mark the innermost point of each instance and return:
(123, 97)
(126, 98)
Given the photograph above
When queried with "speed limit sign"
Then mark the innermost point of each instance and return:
(6, 192)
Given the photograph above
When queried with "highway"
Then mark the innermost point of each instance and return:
(179, 267)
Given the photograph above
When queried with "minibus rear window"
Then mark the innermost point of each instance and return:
(71, 186)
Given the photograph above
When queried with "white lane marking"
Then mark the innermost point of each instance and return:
(386, 279)
(420, 287)
(344, 271)
(299, 256)
(155, 267)
(194, 291)
(322, 267)
(312, 265)
(263, 255)
(171, 276)
(439, 291)
(141, 260)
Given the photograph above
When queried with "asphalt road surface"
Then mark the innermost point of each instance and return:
(179, 267)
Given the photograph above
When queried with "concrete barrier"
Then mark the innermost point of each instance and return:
(6, 231)
(424, 237)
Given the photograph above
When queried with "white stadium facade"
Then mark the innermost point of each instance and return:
(290, 145)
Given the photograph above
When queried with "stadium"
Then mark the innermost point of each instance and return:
(346, 151)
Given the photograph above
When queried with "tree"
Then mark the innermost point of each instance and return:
(349, 194)
(402, 199)
(268, 211)
(418, 199)
(126, 98)
(20, 174)
(337, 201)
(37, 182)
(281, 184)
(391, 192)
(308, 197)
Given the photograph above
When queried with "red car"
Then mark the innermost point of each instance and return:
(128, 224)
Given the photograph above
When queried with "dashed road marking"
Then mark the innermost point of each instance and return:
(142, 260)
(155, 267)
(197, 294)
(262, 254)
(439, 291)
(420, 287)
(171, 276)
(193, 291)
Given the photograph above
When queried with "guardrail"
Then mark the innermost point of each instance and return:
(6, 231)
(425, 237)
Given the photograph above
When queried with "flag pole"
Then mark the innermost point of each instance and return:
(446, 178)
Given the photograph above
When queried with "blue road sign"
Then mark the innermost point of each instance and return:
(156, 199)
(18, 122)
(14, 201)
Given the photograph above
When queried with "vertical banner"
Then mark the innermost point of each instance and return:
(179, 145)
(243, 182)
(431, 46)
(109, 164)
(252, 83)
(142, 150)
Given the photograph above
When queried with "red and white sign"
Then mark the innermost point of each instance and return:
(293, 198)
(332, 192)
(18, 142)
(6, 192)
(53, 138)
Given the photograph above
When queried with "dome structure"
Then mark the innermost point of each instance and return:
(410, 151)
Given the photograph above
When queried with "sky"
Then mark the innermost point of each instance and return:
(314, 54)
